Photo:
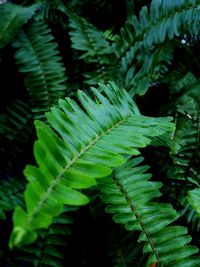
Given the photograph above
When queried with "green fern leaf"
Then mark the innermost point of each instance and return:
(164, 19)
(38, 57)
(149, 38)
(151, 67)
(90, 143)
(129, 195)
(96, 51)
(85, 36)
(12, 17)
(184, 145)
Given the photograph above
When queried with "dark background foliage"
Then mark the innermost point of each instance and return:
(93, 233)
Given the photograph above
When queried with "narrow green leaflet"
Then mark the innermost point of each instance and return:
(83, 142)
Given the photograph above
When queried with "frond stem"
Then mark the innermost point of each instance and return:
(70, 163)
(130, 202)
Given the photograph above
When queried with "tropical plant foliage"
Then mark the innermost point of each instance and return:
(100, 115)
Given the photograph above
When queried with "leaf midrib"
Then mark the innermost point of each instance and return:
(70, 164)
(133, 209)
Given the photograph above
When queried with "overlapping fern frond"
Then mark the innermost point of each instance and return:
(72, 154)
(39, 59)
(12, 17)
(146, 69)
(130, 197)
(185, 144)
(85, 36)
(183, 147)
(164, 19)
(145, 37)
(185, 141)
(96, 52)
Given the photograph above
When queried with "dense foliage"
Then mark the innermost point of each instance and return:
(100, 115)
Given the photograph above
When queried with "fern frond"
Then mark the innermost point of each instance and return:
(139, 36)
(183, 146)
(90, 145)
(163, 20)
(11, 195)
(185, 141)
(39, 58)
(85, 36)
(129, 195)
(12, 17)
(96, 50)
(146, 69)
